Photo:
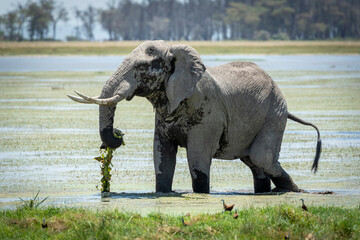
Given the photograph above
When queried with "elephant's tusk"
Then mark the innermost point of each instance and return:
(107, 101)
(86, 98)
(77, 99)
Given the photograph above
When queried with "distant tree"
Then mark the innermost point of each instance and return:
(108, 19)
(280, 17)
(244, 19)
(191, 19)
(9, 21)
(21, 19)
(128, 26)
(160, 28)
(60, 14)
(2, 29)
(39, 15)
(87, 17)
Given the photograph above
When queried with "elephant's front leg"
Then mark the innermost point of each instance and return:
(164, 161)
(199, 166)
(199, 160)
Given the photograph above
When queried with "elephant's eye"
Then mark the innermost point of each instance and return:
(150, 51)
(143, 68)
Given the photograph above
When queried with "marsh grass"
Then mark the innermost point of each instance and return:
(253, 222)
(203, 47)
(34, 202)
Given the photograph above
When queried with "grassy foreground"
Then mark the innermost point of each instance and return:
(253, 223)
(204, 47)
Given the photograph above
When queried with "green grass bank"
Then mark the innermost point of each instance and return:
(276, 222)
(203, 47)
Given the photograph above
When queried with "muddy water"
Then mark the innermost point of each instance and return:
(48, 143)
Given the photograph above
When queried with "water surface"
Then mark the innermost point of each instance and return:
(48, 142)
(110, 63)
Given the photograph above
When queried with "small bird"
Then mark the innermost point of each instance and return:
(303, 205)
(44, 224)
(227, 207)
(287, 236)
(185, 223)
(236, 215)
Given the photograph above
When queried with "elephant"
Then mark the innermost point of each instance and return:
(232, 111)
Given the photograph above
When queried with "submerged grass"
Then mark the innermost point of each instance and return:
(274, 222)
(203, 47)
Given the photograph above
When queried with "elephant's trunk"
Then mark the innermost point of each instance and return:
(120, 84)
(106, 120)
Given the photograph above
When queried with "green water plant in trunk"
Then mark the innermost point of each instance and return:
(106, 155)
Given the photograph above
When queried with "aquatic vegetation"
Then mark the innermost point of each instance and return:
(105, 158)
(34, 202)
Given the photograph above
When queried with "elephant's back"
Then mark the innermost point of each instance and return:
(250, 86)
(241, 75)
(244, 81)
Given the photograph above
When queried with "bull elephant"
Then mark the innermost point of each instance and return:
(227, 112)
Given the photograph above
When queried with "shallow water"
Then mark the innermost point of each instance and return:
(110, 63)
(49, 143)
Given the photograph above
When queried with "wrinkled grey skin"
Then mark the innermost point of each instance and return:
(227, 112)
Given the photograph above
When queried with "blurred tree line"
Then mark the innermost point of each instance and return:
(34, 17)
(190, 20)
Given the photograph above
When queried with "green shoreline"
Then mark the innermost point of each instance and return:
(275, 222)
(231, 47)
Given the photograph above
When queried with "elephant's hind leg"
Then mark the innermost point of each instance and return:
(264, 153)
(284, 183)
(262, 182)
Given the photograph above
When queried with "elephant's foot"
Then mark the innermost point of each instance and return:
(281, 190)
(276, 189)
(200, 183)
(163, 183)
(303, 191)
(262, 185)
(284, 183)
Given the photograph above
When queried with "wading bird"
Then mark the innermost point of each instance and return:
(185, 223)
(236, 215)
(227, 207)
(303, 205)
(44, 224)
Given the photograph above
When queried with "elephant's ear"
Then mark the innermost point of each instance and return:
(187, 71)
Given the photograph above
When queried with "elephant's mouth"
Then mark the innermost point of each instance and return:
(130, 97)
(140, 92)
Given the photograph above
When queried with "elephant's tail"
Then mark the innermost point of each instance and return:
(318, 145)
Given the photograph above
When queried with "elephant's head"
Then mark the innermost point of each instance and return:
(164, 74)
